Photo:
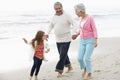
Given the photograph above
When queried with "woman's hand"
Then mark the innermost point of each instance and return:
(95, 42)
(74, 36)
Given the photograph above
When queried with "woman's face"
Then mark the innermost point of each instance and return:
(78, 13)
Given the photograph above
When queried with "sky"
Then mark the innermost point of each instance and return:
(46, 5)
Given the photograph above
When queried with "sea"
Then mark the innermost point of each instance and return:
(15, 54)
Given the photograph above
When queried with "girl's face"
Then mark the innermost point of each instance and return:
(44, 37)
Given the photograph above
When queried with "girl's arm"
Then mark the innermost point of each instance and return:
(47, 49)
(25, 41)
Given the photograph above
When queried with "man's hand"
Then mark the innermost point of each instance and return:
(48, 50)
(46, 37)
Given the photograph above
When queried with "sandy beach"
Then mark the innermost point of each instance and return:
(105, 64)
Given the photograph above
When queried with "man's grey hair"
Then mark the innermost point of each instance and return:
(80, 7)
(58, 3)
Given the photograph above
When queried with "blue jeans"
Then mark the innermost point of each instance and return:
(36, 66)
(64, 59)
(86, 48)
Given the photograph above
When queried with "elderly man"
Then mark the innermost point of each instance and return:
(61, 23)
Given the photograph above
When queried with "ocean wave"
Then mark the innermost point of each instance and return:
(102, 15)
(23, 22)
(25, 19)
(3, 38)
(42, 21)
(20, 25)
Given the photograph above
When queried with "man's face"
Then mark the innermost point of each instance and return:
(58, 9)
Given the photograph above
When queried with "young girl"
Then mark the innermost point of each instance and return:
(39, 47)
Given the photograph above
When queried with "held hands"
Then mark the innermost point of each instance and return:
(74, 36)
(48, 50)
(46, 37)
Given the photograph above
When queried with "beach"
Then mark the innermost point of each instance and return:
(17, 22)
(105, 63)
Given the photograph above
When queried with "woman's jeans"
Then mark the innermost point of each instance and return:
(86, 48)
(36, 66)
(64, 59)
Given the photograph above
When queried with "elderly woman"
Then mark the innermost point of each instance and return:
(88, 40)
